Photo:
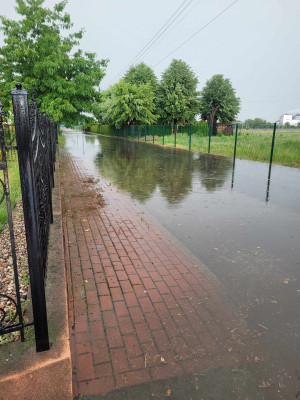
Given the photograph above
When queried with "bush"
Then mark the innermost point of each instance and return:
(108, 130)
(200, 128)
(103, 129)
(95, 128)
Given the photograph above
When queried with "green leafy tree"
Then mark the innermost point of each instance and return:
(101, 107)
(39, 52)
(174, 105)
(178, 96)
(127, 103)
(140, 75)
(218, 101)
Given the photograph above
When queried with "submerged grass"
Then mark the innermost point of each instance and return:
(15, 190)
(251, 145)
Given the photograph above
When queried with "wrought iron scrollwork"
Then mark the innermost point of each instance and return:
(36, 138)
(2, 191)
(43, 134)
(8, 315)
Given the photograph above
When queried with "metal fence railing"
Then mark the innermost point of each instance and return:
(221, 139)
(33, 140)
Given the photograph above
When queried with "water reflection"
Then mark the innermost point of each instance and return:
(141, 169)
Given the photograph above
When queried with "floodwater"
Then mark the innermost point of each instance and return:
(244, 228)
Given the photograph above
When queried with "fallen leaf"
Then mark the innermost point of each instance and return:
(264, 384)
(168, 392)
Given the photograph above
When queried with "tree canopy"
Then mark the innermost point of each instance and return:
(218, 100)
(178, 97)
(126, 103)
(38, 54)
(140, 75)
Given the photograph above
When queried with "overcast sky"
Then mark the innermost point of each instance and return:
(255, 43)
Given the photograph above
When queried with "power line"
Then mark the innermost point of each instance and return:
(150, 42)
(170, 30)
(155, 37)
(163, 31)
(196, 33)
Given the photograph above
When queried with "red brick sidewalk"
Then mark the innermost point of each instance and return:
(139, 309)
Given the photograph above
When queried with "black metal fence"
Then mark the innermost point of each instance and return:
(36, 138)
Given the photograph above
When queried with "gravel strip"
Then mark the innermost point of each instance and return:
(7, 282)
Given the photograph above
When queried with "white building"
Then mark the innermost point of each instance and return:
(292, 119)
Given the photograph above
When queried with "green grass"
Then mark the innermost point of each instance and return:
(251, 145)
(15, 190)
(61, 140)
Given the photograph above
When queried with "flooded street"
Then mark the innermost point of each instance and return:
(245, 231)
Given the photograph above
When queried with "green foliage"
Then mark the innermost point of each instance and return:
(140, 75)
(178, 96)
(257, 123)
(101, 107)
(127, 103)
(61, 140)
(39, 52)
(200, 128)
(14, 187)
(173, 104)
(96, 128)
(107, 130)
(218, 100)
(103, 129)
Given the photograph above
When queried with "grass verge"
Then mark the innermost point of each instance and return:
(14, 187)
(251, 145)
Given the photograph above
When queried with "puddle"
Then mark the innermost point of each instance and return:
(245, 229)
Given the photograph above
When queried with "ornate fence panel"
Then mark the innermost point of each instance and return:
(36, 138)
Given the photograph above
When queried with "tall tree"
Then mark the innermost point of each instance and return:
(39, 52)
(173, 104)
(180, 83)
(218, 101)
(140, 75)
(127, 103)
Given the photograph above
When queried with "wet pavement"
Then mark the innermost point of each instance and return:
(246, 233)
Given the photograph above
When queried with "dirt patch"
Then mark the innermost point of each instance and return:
(7, 281)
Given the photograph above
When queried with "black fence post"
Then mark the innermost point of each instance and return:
(29, 198)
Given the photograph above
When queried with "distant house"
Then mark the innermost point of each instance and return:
(292, 119)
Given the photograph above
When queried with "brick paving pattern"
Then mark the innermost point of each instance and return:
(139, 310)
